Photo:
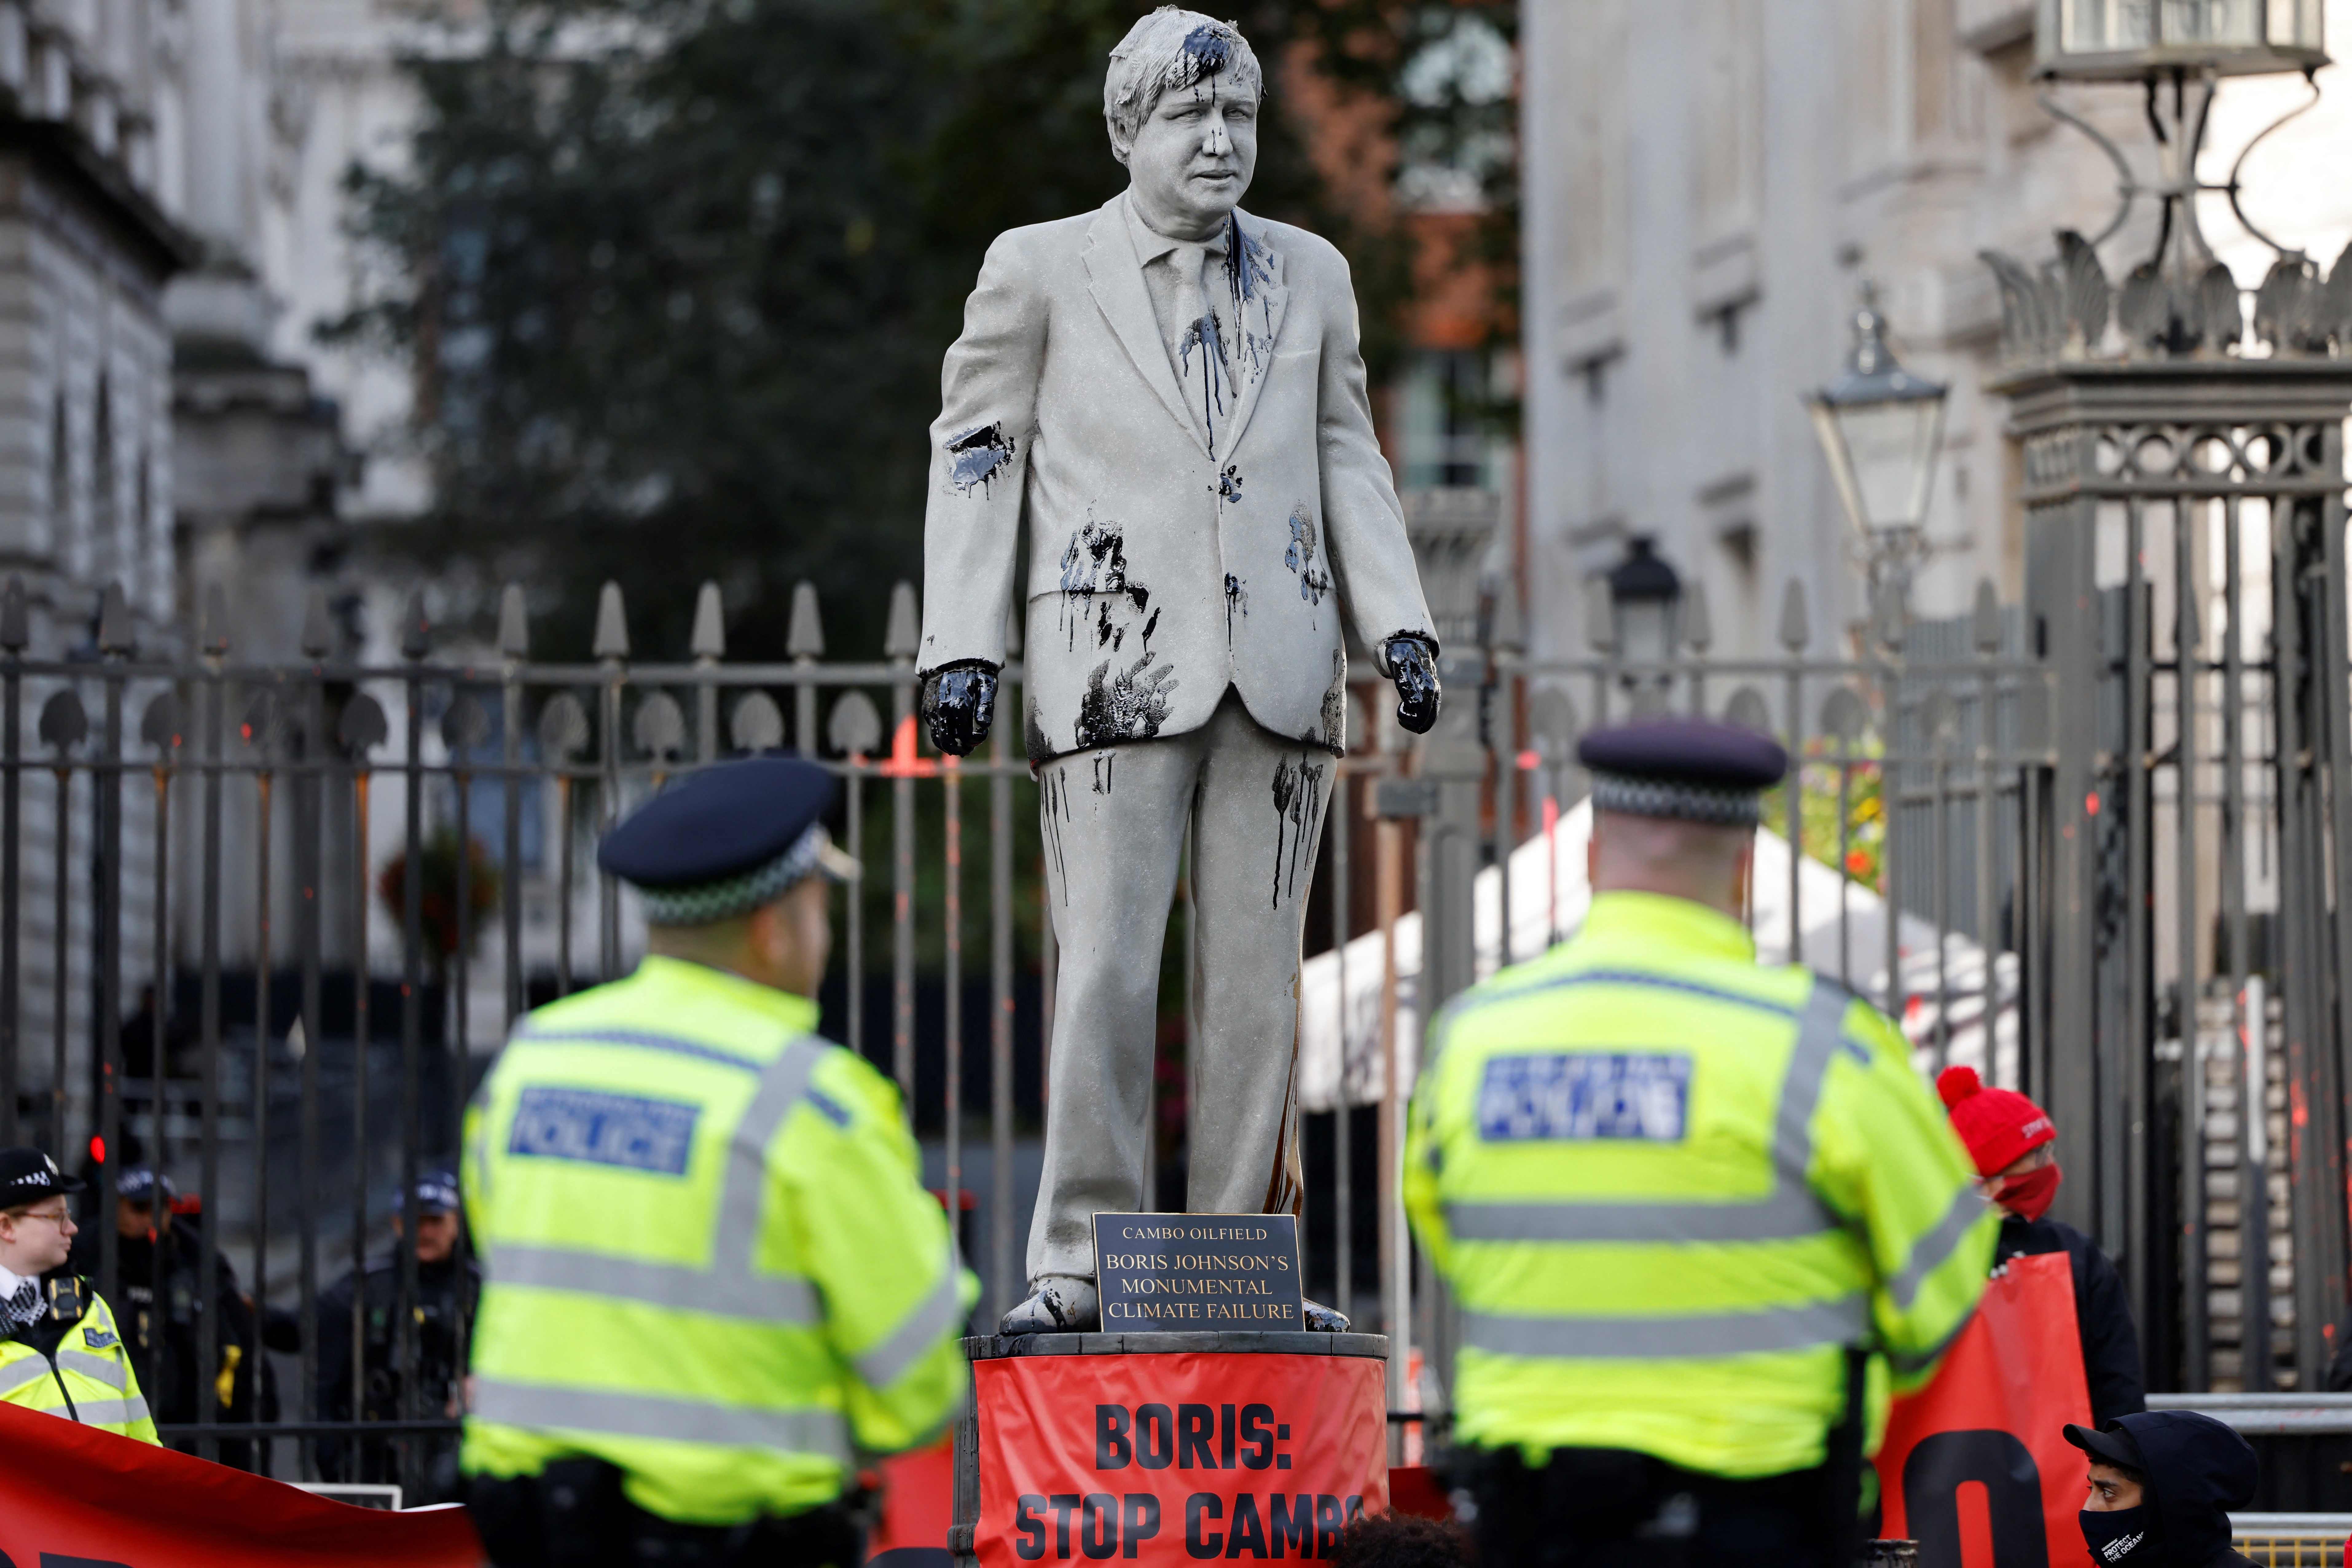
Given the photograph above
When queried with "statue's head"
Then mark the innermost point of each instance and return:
(1182, 101)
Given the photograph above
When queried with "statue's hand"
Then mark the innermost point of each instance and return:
(959, 704)
(1411, 661)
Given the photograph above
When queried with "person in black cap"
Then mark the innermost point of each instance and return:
(449, 1283)
(2162, 1484)
(60, 1349)
(1684, 1201)
(159, 1267)
(710, 1272)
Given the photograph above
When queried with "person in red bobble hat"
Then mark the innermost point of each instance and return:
(2009, 1138)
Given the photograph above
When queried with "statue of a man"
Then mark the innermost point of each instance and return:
(1174, 392)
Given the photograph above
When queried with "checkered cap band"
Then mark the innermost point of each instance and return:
(1713, 804)
(705, 902)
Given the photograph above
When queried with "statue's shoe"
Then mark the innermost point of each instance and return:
(1323, 1320)
(1063, 1305)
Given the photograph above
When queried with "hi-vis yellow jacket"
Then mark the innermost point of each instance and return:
(707, 1256)
(1670, 1188)
(84, 1375)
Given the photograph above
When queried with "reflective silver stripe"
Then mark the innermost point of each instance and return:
(105, 1369)
(1787, 1213)
(1819, 1029)
(660, 1416)
(918, 1334)
(1930, 1251)
(110, 1412)
(723, 1292)
(784, 1084)
(30, 1370)
(1790, 1210)
(1671, 1337)
(1919, 1361)
(671, 1044)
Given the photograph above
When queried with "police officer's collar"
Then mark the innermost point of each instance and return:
(793, 1012)
(1682, 926)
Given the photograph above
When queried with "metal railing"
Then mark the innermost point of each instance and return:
(332, 884)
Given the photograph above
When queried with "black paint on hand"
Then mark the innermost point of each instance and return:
(959, 706)
(1413, 665)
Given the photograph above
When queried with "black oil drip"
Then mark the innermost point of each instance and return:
(1304, 540)
(1054, 787)
(1297, 811)
(1334, 702)
(974, 456)
(1130, 706)
(1094, 562)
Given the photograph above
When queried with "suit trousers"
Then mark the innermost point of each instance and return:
(1114, 822)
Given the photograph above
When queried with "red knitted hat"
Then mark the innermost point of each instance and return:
(1999, 1125)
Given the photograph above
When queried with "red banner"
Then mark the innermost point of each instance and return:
(1975, 1467)
(1166, 1458)
(72, 1495)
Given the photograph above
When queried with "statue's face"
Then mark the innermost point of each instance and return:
(1193, 157)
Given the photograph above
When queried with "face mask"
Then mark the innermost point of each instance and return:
(2030, 1193)
(2117, 1536)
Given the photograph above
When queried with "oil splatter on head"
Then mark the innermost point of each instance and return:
(1173, 50)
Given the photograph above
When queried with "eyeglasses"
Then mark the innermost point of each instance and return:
(58, 1218)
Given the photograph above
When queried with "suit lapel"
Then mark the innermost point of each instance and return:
(1115, 278)
(1258, 297)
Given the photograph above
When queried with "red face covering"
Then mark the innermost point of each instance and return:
(2029, 1196)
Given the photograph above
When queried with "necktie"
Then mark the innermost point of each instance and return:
(23, 1306)
(1203, 371)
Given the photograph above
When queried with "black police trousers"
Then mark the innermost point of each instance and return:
(1607, 1508)
(575, 1514)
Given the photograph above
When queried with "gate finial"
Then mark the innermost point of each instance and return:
(514, 623)
(710, 638)
(1796, 625)
(805, 636)
(905, 636)
(612, 625)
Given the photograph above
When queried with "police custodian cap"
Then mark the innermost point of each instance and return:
(727, 840)
(1693, 769)
(27, 1175)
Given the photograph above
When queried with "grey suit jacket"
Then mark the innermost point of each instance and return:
(1162, 568)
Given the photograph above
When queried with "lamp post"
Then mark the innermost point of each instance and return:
(1881, 427)
(2180, 298)
(1645, 602)
(2134, 40)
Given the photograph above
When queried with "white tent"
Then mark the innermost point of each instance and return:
(1843, 934)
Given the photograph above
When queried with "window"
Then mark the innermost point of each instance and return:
(1443, 434)
(1456, 134)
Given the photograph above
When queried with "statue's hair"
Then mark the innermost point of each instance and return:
(1171, 48)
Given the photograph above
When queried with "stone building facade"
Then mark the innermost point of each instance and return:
(1707, 182)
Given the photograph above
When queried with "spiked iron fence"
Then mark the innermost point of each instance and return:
(213, 837)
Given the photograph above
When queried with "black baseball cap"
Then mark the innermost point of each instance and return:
(2109, 1445)
(27, 1175)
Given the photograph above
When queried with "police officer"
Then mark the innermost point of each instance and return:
(160, 1272)
(448, 1284)
(62, 1352)
(709, 1265)
(1694, 1211)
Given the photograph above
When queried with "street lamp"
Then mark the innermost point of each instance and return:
(1880, 426)
(2181, 300)
(2136, 40)
(1645, 602)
